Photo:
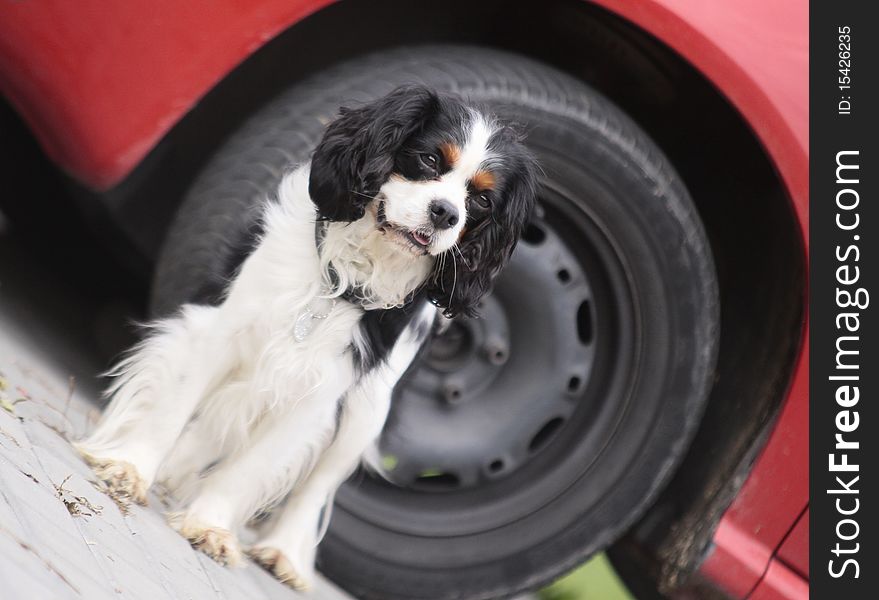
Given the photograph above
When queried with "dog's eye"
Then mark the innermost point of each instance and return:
(482, 201)
(429, 160)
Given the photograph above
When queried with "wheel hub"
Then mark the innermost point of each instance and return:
(466, 356)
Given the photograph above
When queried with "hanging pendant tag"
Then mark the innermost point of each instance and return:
(304, 325)
(305, 322)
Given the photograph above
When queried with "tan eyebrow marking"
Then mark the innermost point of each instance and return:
(451, 153)
(482, 180)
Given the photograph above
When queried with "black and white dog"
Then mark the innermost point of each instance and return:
(414, 200)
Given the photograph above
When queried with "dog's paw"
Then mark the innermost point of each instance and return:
(218, 543)
(123, 482)
(274, 561)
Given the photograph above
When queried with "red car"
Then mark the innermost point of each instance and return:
(623, 390)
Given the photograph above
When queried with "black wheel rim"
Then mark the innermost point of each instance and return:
(467, 416)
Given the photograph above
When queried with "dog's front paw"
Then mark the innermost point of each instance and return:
(217, 542)
(123, 482)
(274, 561)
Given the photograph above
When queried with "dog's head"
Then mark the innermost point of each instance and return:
(438, 176)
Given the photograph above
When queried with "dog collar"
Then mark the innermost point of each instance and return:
(307, 319)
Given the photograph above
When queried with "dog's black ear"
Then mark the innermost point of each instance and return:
(486, 247)
(358, 150)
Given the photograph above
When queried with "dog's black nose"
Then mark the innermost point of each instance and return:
(443, 214)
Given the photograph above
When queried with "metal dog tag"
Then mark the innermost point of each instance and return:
(304, 325)
(306, 320)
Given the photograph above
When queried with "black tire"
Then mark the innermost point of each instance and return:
(626, 227)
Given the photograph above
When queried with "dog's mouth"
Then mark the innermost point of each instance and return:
(418, 239)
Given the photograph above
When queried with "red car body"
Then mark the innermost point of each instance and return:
(100, 84)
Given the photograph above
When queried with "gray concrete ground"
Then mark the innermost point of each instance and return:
(60, 536)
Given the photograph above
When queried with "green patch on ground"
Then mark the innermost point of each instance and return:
(596, 580)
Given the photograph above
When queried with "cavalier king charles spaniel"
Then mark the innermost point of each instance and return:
(407, 210)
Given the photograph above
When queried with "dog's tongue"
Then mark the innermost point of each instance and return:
(421, 238)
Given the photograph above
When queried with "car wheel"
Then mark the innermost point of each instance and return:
(524, 441)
